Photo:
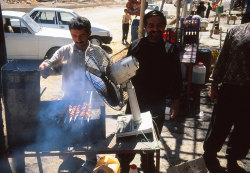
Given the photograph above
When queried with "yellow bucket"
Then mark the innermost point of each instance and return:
(107, 164)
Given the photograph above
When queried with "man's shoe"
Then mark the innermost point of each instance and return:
(213, 164)
(233, 167)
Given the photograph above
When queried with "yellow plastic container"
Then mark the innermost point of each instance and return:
(107, 164)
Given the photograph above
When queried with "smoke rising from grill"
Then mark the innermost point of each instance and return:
(53, 132)
(32, 123)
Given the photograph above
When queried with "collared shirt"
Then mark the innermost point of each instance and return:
(71, 59)
(233, 64)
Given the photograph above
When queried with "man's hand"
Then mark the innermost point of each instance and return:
(43, 65)
(174, 109)
(214, 92)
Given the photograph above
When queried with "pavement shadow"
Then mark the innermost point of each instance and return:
(189, 126)
(70, 164)
(176, 128)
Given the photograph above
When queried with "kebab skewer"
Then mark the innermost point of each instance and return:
(77, 113)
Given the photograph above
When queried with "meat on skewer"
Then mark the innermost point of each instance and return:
(76, 113)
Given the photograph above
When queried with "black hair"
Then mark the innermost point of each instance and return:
(80, 23)
(152, 14)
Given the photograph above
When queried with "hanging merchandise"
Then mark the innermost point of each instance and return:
(134, 7)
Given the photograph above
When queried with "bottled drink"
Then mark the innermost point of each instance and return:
(133, 169)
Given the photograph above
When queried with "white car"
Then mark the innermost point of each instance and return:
(154, 7)
(25, 39)
(60, 17)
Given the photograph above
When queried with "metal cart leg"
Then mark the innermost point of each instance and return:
(158, 161)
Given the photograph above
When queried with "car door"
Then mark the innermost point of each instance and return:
(64, 19)
(45, 18)
(21, 43)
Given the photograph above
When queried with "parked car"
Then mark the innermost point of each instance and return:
(154, 7)
(25, 39)
(60, 17)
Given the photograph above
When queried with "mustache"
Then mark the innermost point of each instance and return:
(158, 32)
(79, 42)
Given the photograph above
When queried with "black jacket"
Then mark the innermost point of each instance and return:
(159, 73)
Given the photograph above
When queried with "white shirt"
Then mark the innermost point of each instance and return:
(72, 60)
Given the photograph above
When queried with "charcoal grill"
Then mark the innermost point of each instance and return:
(79, 131)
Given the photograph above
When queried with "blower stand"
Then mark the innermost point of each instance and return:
(127, 127)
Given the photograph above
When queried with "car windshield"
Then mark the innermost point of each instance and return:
(33, 25)
(151, 7)
(75, 14)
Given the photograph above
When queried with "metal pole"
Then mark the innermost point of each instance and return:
(184, 9)
(140, 29)
(190, 7)
(162, 3)
(133, 103)
(178, 13)
(3, 60)
(3, 53)
(230, 9)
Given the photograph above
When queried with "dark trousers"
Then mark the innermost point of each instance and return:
(207, 13)
(125, 28)
(231, 110)
(147, 160)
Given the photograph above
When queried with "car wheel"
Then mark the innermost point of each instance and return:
(51, 52)
(96, 41)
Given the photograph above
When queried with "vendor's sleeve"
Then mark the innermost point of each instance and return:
(220, 66)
